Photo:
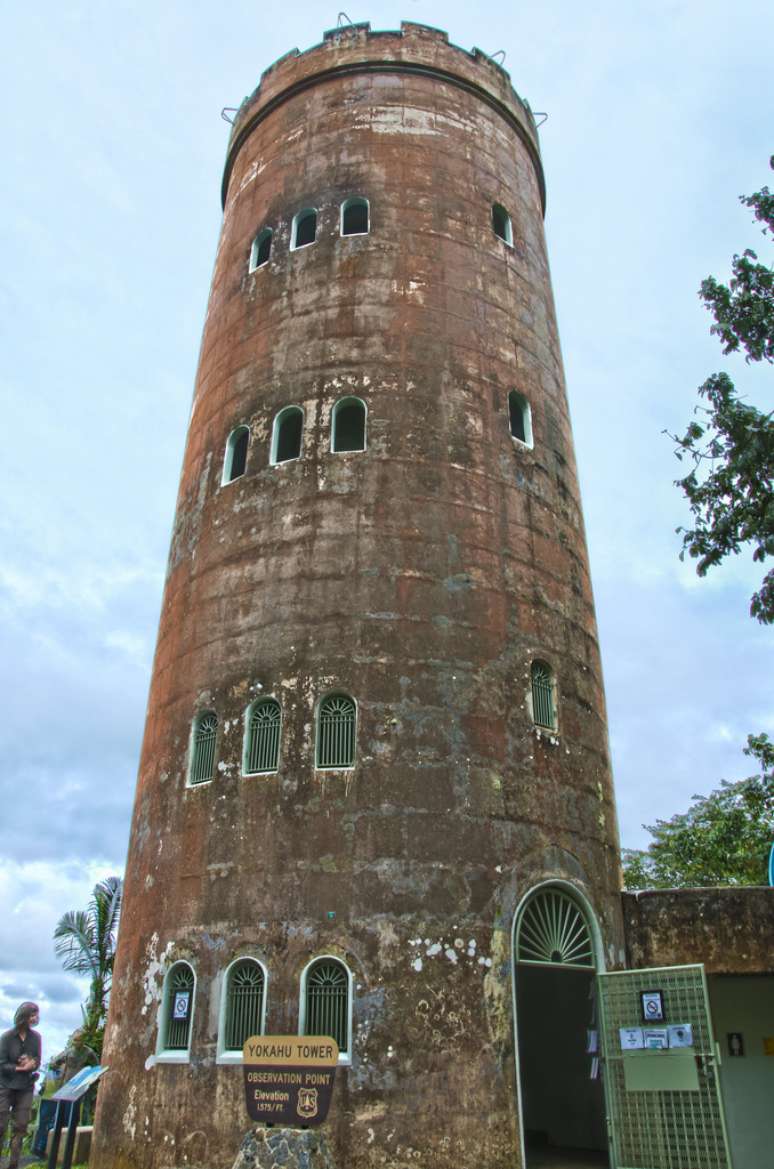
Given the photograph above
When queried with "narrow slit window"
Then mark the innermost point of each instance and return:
(501, 224)
(355, 217)
(260, 252)
(286, 439)
(520, 416)
(304, 228)
(336, 732)
(179, 1007)
(326, 1007)
(244, 1003)
(205, 733)
(235, 460)
(543, 703)
(348, 426)
(264, 723)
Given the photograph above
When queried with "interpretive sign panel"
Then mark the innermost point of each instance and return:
(289, 1078)
(79, 1084)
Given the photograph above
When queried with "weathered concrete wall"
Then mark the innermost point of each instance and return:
(422, 576)
(730, 930)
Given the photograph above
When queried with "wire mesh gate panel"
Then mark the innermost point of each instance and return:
(662, 1129)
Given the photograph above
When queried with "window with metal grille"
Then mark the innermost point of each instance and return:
(501, 224)
(260, 252)
(179, 1007)
(520, 416)
(264, 720)
(348, 425)
(327, 1001)
(543, 709)
(286, 436)
(304, 230)
(336, 732)
(552, 929)
(235, 459)
(205, 732)
(244, 1003)
(354, 217)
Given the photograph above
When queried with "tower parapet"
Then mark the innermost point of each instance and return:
(416, 49)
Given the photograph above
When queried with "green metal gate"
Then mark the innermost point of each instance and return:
(664, 1105)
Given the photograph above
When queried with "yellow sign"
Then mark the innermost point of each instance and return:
(298, 1051)
(289, 1078)
(768, 1044)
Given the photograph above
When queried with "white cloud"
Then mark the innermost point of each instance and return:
(33, 896)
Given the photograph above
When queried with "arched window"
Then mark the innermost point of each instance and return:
(244, 1014)
(286, 435)
(348, 426)
(543, 700)
(355, 216)
(203, 736)
(260, 252)
(235, 459)
(520, 416)
(501, 224)
(178, 1006)
(304, 229)
(336, 720)
(326, 1001)
(553, 930)
(262, 736)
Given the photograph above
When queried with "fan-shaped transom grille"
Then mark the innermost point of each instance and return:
(553, 930)
(244, 1004)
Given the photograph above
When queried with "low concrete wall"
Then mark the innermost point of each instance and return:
(730, 930)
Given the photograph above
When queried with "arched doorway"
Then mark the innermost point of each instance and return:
(562, 1100)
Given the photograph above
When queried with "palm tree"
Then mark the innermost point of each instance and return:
(85, 940)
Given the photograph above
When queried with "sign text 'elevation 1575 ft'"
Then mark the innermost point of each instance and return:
(289, 1078)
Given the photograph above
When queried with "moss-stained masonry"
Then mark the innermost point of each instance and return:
(422, 577)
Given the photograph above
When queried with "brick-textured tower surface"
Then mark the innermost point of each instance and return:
(422, 576)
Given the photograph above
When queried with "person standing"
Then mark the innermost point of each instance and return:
(20, 1051)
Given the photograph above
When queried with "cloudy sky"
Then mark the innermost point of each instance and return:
(660, 115)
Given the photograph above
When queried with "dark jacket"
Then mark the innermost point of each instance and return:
(12, 1047)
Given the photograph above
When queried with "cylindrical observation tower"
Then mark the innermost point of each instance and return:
(375, 796)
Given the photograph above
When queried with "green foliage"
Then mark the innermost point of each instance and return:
(723, 839)
(733, 504)
(731, 444)
(85, 941)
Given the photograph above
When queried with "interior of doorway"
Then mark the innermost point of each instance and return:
(563, 1108)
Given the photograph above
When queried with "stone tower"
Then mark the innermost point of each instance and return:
(376, 722)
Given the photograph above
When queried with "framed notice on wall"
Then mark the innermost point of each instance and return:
(652, 1006)
(181, 1004)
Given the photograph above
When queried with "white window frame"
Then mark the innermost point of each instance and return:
(354, 201)
(253, 266)
(228, 457)
(245, 737)
(528, 442)
(336, 407)
(231, 1057)
(508, 239)
(275, 434)
(164, 1054)
(294, 247)
(350, 766)
(345, 1057)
